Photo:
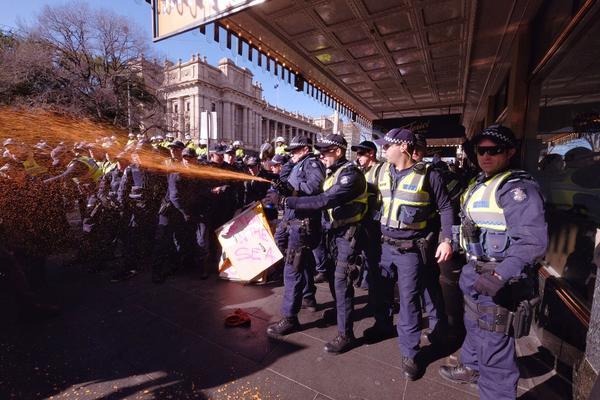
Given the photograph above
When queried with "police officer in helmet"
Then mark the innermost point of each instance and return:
(344, 199)
(503, 232)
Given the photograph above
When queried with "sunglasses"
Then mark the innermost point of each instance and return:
(327, 151)
(491, 150)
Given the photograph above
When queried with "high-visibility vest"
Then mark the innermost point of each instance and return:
(94, 171)
(405, 206)
(106, 166)
(32, 168)
(480, 206)
(239, 153)
(280, 150)
(360, 202)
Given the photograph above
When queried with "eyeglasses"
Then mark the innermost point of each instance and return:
(491, 150)
(324, 152)
(387, 146)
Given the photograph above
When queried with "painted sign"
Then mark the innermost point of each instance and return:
(248, 245)
(171, 17)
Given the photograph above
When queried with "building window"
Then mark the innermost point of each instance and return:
(213, 107)
(175, 108)
(187, 107)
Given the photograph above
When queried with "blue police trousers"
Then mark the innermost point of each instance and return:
(490, 353)
(298, 280)
(407, 269)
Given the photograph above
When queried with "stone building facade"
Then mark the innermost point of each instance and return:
(235, 101)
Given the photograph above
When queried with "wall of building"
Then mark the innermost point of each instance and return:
(194, 87)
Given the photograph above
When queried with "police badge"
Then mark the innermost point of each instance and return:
(519, 194)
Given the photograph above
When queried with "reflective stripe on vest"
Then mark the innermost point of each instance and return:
(480, 205)
(373, 173)
(32, 168)
(408, 193)
(360, 200)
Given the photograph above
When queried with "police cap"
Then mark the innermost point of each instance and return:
(332, 140)
(298, 142)
(365, 145)
(398, 136)
(498, 134)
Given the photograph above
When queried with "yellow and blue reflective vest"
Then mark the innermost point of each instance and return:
(480, 207)
(94, 171)
(357, 207)
(405, 206)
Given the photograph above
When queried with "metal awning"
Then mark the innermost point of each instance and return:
(392, 58)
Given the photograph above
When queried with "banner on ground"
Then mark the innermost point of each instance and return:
(248, 245)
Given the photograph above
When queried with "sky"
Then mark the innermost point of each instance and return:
(177, 47)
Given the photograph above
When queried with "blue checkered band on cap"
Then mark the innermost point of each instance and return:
(333, 143)
(498, 133)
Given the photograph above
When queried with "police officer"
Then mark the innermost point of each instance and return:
(442, 281)
(503, 233)
(345, 199)
(299, 232)
(366, 158)
(23, 154)
(411, 192)
(140, 192)
(174, 234)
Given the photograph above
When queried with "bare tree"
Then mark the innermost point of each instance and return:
(81, 60)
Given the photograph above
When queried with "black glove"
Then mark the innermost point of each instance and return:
(283, 187)
(488, 284)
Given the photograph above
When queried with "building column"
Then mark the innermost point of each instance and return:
(226, 120)
(244, 132)
(196, 111)
(180, 117)
(258, 135)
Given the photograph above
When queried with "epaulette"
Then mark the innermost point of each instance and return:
(420, 167)
(519, 175)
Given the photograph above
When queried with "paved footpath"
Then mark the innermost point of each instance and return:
(137, 340)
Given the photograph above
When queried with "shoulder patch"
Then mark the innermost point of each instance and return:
(314, 164)
(518, 194)
(344, 180)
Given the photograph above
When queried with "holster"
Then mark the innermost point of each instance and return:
(298, 257)
(424, 246)
(511, 323)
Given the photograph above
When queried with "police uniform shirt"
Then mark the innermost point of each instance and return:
(350, 184)
(306, 177)
(523, 206)
(440, 202)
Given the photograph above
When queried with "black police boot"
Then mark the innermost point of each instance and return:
(320, 277)
(412, 371)
(341, 344)
(310, 303)
(283, 327)
(459, 374)
(379, 332)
